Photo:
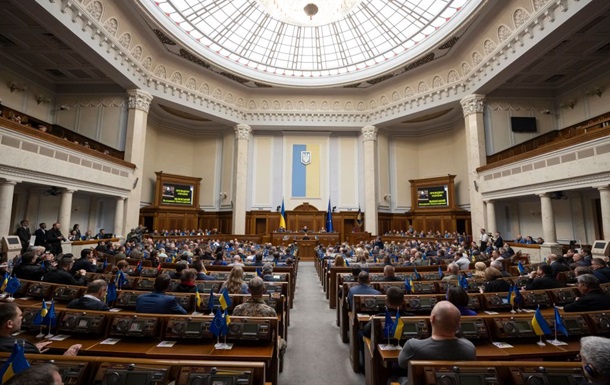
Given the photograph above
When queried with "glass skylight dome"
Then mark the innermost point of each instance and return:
(275, 41)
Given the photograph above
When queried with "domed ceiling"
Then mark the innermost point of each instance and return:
(308, 43)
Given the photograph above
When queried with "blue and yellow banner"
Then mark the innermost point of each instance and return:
(305, 171)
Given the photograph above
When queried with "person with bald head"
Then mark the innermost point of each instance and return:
(442, 344)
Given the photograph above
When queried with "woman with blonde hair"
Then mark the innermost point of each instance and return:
(235, 282)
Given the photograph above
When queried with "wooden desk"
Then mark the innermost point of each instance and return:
(126, 347)
(306, 249)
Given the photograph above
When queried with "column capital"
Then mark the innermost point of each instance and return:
(68, 191)
(544, 195)
(242, 132)
(119, 199)
(603, 188)
(8, 182)
(139, 99)
(369, 133)
(473, 104)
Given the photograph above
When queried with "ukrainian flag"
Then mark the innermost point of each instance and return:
(14, 364)
(198, 297)
(305, 171)
(539, 324)
(398, 326)
(225, 299)
(283, 216)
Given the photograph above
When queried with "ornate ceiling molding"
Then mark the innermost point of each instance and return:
(527, 27)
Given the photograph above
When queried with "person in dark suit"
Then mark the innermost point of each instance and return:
(558, 264)
(495, 283)
(93, 299)
(158, 302)
(187, 282)
(62, 274)
(543, 279)
(23, 232)
(498, 241)
(593, 298)
(41, 236)
(28, 268)
(389, 274)
(201, 272)
(54, 239)
(86, 262)
(599, 265)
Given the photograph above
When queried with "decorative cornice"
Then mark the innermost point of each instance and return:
(473, 104)
(242, 132)
(139, 99)
(369, 133)
(444, 86)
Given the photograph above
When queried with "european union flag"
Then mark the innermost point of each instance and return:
(216, 326)
(374, 258)
(388, 327)
(14, 364)
(329, 219)
(105, 265)
(440, 273)
(13, 285)
(111, 293)
(120, 279)
(51, 317)
(463, 282)
(139, 268)
(259, 272)
(408, 286)
(211, 301)
(417, 275)
(559, 326)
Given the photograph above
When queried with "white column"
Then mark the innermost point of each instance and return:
(7, 189)
(240, 177)
(548, 219)
(604, 198)
(65, 210)
(135, 143)
(369, 139)
(473, 107)
(119, 216)
(492, 227)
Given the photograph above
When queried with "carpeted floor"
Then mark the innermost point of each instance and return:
(315, 355)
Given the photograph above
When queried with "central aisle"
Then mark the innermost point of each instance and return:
(315, 355)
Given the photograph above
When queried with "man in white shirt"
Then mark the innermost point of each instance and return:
(484, 238)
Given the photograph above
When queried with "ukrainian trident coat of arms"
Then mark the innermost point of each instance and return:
(305, 157)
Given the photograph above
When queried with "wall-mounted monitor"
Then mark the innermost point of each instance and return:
(433, 196)
(523, 124)
(175, 194)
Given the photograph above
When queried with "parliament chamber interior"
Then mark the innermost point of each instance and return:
(264, 192)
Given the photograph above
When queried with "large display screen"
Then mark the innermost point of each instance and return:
(434, 196)
(174, 194)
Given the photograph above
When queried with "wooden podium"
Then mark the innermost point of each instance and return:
(306, 249)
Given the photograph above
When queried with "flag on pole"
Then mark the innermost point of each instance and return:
(105, 265)
(388, 327)
(51, 317)
(198, 297)
(559, 326)
(346, 261)
(408, 285)
(13, 285)
(539, 324)
(211, 300)
(512, 295)
(329, 219)
(398, 324)
(283, 216)
(216, 326)
(521, 268)
(111, 293)
(4, 281)
(139, 267)
(440, 273)
(159, 268)
(359, 221)
(225, 299)
(41, 315)
(14, 364)
(226, 320)
(417, 275)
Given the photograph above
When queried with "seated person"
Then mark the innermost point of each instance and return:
(595, 359)
(495, 283)
(235, 282)
(592, 299)
(458, 296)
(202, 274)
(10, 323)
(452, 272)
(389, 274)
(28, 268)
(500, 266)
(599, 265)
(395, 302)
(93, 299)
(363, 287)
(479, 270)
(62, 274)
(158, 302)
(187, 281)
(40, 374)
(255, 306)
(180, 266)
(461, 259)
(268, 273)
(558, 264)
(543, 279)
(582, 270)
(442, 344)
(86, 262)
